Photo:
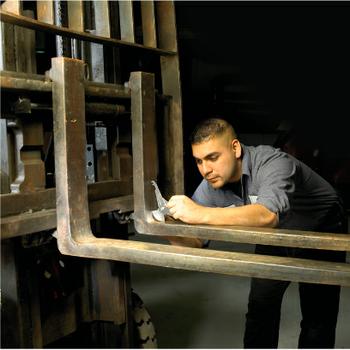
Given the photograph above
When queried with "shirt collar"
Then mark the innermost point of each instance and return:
(246, 161)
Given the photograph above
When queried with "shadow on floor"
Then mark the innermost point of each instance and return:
(204, 310)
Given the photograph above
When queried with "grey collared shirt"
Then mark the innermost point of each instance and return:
(299, 196)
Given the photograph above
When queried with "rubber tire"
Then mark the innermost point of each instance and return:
(145, 334)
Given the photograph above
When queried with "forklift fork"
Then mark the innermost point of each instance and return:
(74, 233)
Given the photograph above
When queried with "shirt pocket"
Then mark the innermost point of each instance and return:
(252, 198)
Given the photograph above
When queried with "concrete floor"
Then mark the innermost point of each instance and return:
(202, 310)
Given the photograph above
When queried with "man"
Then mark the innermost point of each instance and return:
(265, 187)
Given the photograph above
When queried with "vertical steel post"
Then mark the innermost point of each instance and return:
(144, 139)
(68, 99)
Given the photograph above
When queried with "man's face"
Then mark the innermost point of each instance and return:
(218, 160)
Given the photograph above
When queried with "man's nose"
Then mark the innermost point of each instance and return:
(206, 168)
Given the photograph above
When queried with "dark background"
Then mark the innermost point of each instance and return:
(277, 70)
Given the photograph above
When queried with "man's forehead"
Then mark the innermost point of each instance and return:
(206, 148)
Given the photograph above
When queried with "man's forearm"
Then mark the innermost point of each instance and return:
(247, 215)
(184, 209)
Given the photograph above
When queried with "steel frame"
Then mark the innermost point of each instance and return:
(29, 23)
(73, 226)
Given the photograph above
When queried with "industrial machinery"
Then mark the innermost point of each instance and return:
(91, 116)
(48, 296)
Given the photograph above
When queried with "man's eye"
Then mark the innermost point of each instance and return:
(198, 161)
(213, 159)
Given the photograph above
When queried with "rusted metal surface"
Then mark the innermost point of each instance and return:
(166, 23)
(21, 224)
(18, 44)
(13, 6)
(18, 203)
(25, 47)
(122, 204)
(253, 235)
(63, 45)
(76, 15)
(35, 82)
(44, 9)
(16, 322)
(126, 18)
(74, 233)
(145, 156)
(148, 23)
(121, 161)
(70, 33)
(62, 322)
(45, 219)
(30, 169)
(4, 161)
(24, 213)
(106, 90)
(228, 263)
(68, 98)
(106, 285)
(171, 84)
(102, 23)
(102, 164)
(7, 48)
(26, 82)
(23, 106)
(102, 28)
(101, 109)
(76, 22)
(109, 189)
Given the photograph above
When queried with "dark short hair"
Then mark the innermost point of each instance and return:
(209, 128)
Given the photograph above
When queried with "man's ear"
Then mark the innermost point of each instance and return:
(237, 148)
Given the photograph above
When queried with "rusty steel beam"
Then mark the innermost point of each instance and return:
(24, 106)
(13, 6)
(25, 213)
(17, 203)
(30, 168)
(148, 23)
(22, 224)
(171, 85)
(126, 19)
(73, 227)
(45, 219)
(26, 22)
(106, 90)
(102, 28)
(41, 83)
(45, 11)
(26, 82)
(10, 80)
(107, 109)
(253, 235)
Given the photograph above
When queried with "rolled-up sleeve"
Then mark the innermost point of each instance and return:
(202, 195)
(276, 179)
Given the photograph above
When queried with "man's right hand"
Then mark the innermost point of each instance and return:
(185, 209)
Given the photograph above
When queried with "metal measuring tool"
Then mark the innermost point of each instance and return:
(162, 210)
